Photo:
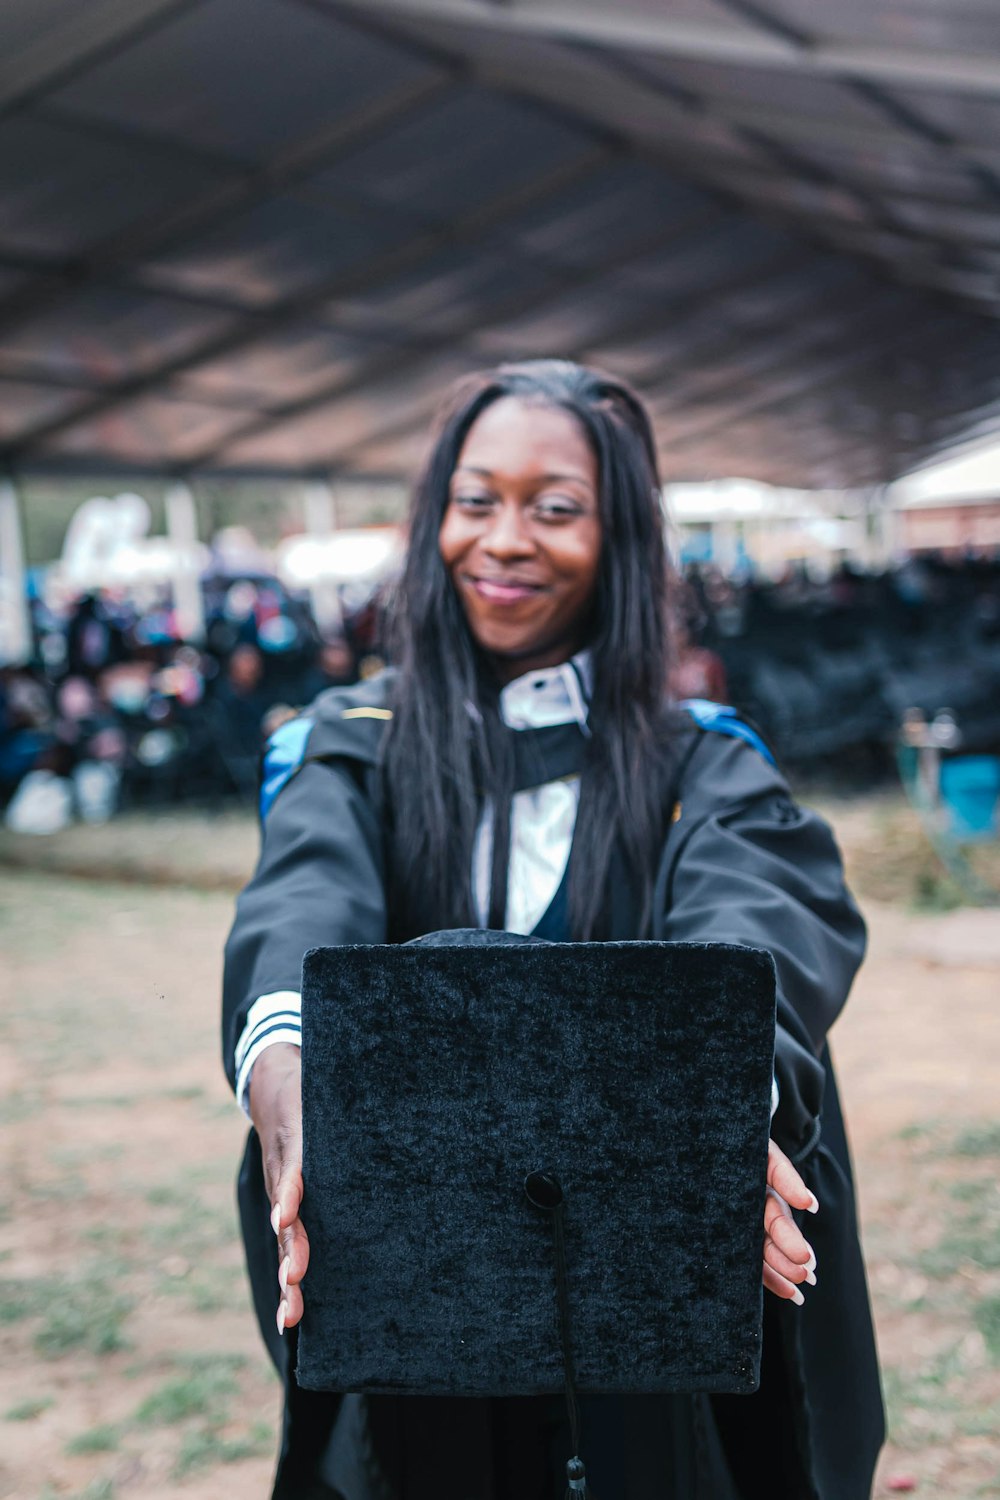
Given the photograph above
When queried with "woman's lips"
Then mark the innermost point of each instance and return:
(503, 591)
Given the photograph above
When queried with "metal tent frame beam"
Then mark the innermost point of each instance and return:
(252, 324)
(561, 20)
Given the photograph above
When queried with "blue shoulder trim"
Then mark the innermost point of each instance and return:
(283, 755)
(723, 720)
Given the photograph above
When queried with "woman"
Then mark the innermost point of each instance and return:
(522, 771)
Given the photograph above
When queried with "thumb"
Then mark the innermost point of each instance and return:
(286, 1200)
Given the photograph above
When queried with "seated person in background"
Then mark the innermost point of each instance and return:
(242, 701)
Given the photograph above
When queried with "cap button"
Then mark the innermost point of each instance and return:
(543, 1190)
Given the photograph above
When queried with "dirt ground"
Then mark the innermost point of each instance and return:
(130, 1363)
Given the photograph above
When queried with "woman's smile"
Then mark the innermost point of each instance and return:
(503, 590)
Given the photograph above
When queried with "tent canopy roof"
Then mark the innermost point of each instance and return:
(261, 235)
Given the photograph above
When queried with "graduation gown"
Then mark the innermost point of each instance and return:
(741, 863)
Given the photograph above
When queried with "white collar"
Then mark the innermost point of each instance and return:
(549, 695)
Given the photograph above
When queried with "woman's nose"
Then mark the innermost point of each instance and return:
(508, 535)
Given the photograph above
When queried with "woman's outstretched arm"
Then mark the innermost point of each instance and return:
(318, 882)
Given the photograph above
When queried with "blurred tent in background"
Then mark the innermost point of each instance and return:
(741, 525)
(949, 507)
(259, 236)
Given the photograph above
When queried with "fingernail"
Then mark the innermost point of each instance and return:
(810, 1276)
(813, 1205)
(283, 1273)
(811, 1262)
(796, 1297)
(282, 1314)
(276, 1217)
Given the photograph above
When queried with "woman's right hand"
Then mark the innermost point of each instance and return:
(276, 1111)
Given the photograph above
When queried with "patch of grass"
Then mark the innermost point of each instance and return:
(97, 1489)
(65, 1189)
(934, 890)
(202, 1446)
(196, 1232)
(985, 1423)
(97, 1440)
(165, 1196)
(220, 1109)
(70, 1159)
(19, 1104)
(204, 1390)
(205, 1288)
(211, 1290)
(966, 1190)
(27, 1411)
(101, 1101)
(923, 1402)
(946, 1401)
(973, 1236)
(987, 1316)
(979, 1140)
(919, 1130)
(101, 1235)
(212, 1173)
(16, 1302)
(88, 1313)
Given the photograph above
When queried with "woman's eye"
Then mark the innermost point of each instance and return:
(557, 508)
(473, 502)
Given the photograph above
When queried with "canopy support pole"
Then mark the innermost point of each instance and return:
(320, 506)
(15, 616)
(182, 529)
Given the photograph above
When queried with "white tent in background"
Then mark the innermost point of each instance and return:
(965, 479)
(771, 525)
(107, 546)
(949, 507)
(364, 556)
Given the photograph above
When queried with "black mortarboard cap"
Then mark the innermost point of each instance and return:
(627, 1084)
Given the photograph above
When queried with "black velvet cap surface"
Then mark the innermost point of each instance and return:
(436, 1077)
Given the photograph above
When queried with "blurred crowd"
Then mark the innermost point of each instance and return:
(116, 711)
(831, 666)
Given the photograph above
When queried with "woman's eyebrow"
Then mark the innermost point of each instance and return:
(549, 478)
(574, 478)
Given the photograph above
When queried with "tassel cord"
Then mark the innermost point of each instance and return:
(544, 1191)
(565, 1328)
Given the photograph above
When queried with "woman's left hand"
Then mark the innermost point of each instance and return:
(788, 1256)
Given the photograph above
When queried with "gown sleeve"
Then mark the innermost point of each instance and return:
(744, 864)
(318, 882)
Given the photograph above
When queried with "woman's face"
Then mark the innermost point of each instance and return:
(521, 537)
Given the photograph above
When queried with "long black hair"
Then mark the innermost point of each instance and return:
(447, 750)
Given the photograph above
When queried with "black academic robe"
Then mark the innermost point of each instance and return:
(741, 863)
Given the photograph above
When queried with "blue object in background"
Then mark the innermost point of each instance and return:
(696, 544)
(970, 788)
